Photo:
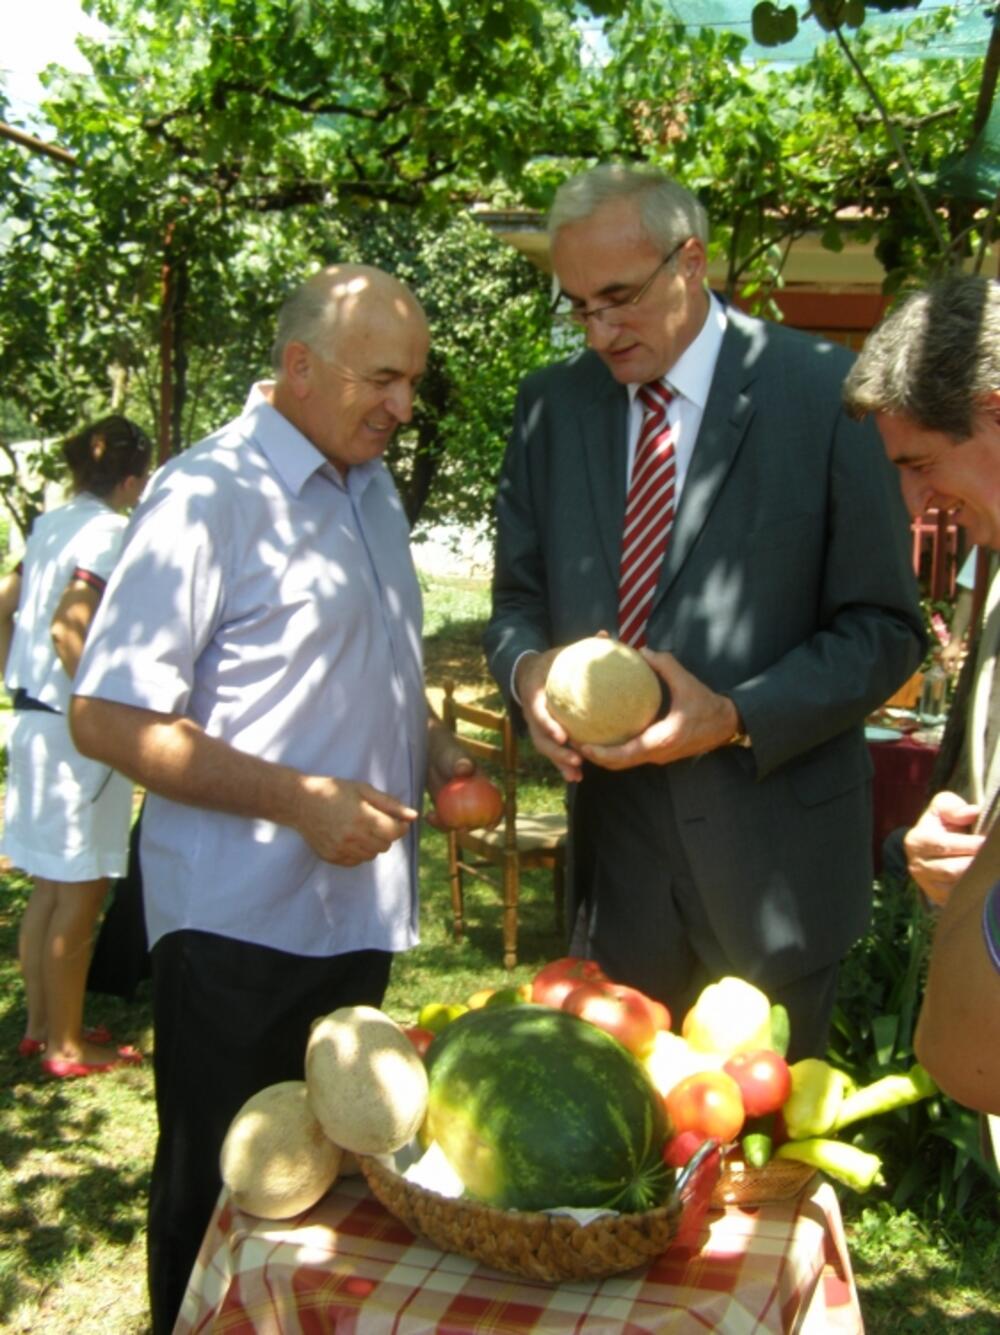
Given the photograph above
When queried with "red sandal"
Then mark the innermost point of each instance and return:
(65, 1068)
(33, 1047)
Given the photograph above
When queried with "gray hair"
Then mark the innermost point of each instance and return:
(934, 357)
(669, 214)
(308, 315)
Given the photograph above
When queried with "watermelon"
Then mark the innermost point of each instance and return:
(535, 1108)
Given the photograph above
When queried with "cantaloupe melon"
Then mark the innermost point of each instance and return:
(367, 1083)
(602, 691)
(276, 1159)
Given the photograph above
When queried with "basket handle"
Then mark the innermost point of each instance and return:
(700, 1156)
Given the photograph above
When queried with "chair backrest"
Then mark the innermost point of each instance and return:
(498, 749)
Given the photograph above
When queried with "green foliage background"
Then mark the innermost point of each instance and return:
(223, 148)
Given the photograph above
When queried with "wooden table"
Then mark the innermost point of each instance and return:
(348, 1267)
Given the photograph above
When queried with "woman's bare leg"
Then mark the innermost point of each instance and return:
(66, 960)
(31, 950)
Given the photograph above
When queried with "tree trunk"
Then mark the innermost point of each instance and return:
(163, 432)
(988, 81)
(180, 357)
(174, 286)
(418, 485)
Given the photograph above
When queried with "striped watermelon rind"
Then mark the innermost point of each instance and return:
(535, 1109)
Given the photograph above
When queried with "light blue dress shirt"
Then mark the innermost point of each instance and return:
(276, 605)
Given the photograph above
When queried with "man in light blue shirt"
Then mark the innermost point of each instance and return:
(256, 666)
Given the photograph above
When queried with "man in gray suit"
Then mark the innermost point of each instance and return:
(734, 835)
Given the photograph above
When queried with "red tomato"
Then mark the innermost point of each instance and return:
(553, 983)
(680, 1148)
(708, 1102)
(623, 1012)
(468, 803)
(764, 1080)
(420, 1038)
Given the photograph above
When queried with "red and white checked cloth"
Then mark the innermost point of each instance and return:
(649, 514)
(347, 1267)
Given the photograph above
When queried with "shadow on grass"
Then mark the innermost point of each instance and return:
(74, 1154)
(446, 969)
(456, 652)
(924, 1293)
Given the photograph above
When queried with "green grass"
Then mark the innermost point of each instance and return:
(75, 1157)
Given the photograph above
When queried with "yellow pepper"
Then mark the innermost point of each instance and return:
(729, 1016)
(817, 1093)
(854, 1167)
(892, 1091)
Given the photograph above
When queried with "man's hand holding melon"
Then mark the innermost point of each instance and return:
(597, 699)
(698, 720)
(548, 736)
(589, 697)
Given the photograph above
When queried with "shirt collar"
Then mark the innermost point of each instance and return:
(691, 374)
(292, 456)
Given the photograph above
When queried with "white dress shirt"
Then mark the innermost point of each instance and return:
(689, 380)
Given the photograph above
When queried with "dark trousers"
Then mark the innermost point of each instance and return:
(647, 923)
(229, 1018)
(120, 961)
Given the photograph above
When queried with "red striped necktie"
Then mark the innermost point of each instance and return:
(649, 515)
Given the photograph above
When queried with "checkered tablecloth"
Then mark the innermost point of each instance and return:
(348, 1267)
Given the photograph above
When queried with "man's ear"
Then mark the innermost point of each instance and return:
(296, 367)
(693, 261)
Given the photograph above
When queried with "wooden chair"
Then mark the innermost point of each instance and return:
(518, 842)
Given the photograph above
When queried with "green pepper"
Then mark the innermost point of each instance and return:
(780, 1029)
(853, 1167)
(892, 1091)
(757, 1141)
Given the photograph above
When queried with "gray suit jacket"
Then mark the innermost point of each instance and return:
(787, 585)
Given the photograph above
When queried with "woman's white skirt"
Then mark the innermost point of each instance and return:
(66, 818)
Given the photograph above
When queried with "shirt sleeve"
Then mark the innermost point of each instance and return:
(160, 608)
(98, 546)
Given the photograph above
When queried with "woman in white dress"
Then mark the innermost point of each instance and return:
(66, 818)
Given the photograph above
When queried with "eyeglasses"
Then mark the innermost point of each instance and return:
(613, 311)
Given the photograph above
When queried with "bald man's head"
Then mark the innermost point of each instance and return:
(351, 347)
(334, 299)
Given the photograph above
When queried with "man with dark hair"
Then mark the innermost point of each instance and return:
(692, 484)
(256, 666)
(930, 377)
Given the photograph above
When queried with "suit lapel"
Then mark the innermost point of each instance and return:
(600, 426)
(727, 416)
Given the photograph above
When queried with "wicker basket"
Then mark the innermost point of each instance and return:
(556, 1247)
(779, 1180)
(535, 1245)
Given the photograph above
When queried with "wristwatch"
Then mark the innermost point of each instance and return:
(740, 737)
